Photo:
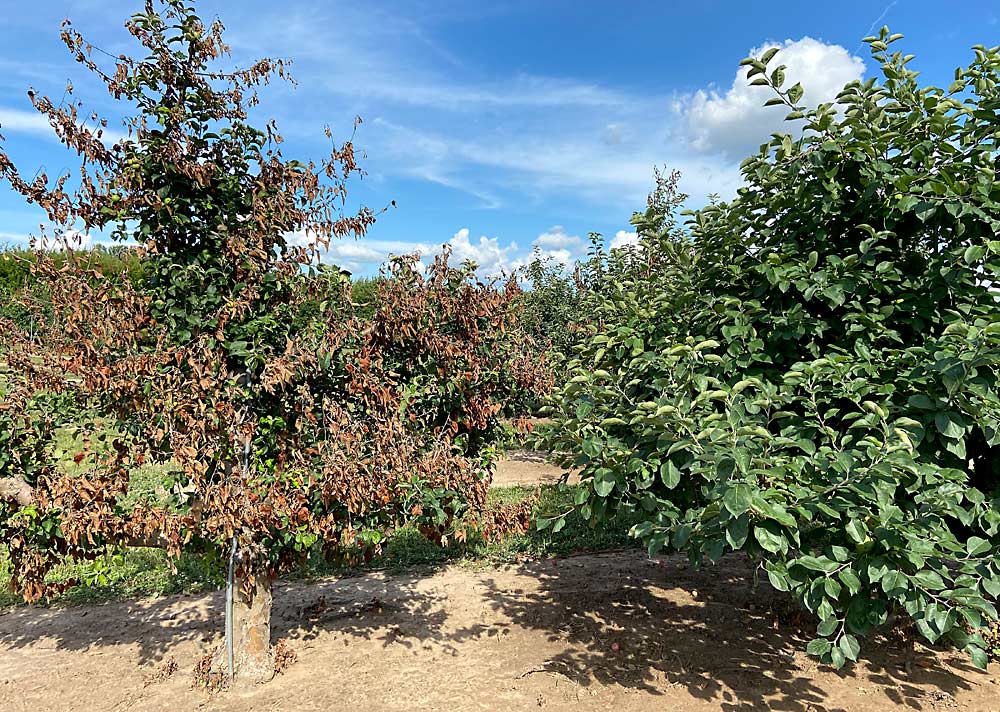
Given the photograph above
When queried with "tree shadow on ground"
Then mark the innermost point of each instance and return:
(615, 619)
(156, 627)
(626, 620)
(153, 627)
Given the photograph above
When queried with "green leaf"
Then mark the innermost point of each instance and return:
(849, 646)
(770, 541)
(819, 646)
(976, 546)
(815, 563)
(929, 579)
(974, 254)
(604, 482)
(807, 446)
(851, 580)
(978, 655)
(670, 475)
(837, 657)
(681, 535)
(743, 459)
(835, 293)
(857, 531)
(827, 626)
(778, 581)
(737, 531)
(769, 55)
(949, 424)
(738, 498)
(894, 582)
(591, 447)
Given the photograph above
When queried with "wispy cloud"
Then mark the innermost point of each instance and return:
(553, 164)
(37, 124)
(29, 122)
(877, 22)
(519, 91)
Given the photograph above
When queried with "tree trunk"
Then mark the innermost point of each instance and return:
(16, 490)
(253, 659)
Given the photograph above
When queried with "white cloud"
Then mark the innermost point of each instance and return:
(69, 238)
(367, 255)
(13, 238)
(352, 255)
(29, 122)
(736, 122)
(624, 239)
(37, 124)
(562, 256)
(556, 238)
(360, 255)
(555, 244)
(491, 258)
(53, 242)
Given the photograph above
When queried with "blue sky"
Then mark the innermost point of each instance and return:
(499, 126)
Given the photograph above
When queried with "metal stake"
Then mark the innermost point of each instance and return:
(229, 610)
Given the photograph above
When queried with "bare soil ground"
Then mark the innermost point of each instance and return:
(526, 468)
(606, 631)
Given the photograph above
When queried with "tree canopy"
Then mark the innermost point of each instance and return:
(808, 373)
(290, 424)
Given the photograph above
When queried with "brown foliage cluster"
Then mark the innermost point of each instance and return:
(507, 518)
(292, 422)
(284, 656)
(204, 676)
(344, 458)
(164, 671)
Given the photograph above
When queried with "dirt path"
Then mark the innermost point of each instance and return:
(610, 631)
(524, 467)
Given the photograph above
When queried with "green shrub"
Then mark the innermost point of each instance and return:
(364, 292)
(560, 300)
(808, 373)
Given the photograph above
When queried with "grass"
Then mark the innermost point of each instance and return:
(141, 573)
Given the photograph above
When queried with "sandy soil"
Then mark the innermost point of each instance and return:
(596, 632)
(524, 467)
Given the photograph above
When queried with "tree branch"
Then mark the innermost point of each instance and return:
(16, 489)
(153, 541)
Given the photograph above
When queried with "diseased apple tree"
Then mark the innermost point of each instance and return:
(291, 424)
(809, 373)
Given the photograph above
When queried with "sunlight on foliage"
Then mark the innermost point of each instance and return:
(808, 373)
